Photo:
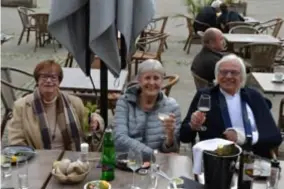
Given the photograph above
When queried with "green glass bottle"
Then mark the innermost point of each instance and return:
(108, 156)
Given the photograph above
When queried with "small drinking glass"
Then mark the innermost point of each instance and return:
(134, 162)
(22, 174)
(278, 73)
(204, 105)
(6, 167)
(153, 171)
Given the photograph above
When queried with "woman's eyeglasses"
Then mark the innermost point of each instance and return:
(45, 76)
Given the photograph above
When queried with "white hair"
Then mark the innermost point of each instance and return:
(216, 4)
(234, 59)
(150, 65)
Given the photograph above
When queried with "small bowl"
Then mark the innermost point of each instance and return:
(69, 179)
(109, 185)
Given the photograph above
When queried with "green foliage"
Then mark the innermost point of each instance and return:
(89, 109)
(194, 6)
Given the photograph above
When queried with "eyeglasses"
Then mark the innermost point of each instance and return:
(45, 76)
(232, 72)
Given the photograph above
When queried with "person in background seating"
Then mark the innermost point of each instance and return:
(204, 62)
(49, 118)
(136, 122)
(207, 15)
(226, 17)
(236, 111)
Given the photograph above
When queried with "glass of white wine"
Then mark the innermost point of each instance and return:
(204, 105)
(134, 162)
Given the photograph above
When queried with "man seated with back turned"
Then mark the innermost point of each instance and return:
(207, 15)
(226, 17)
(204, 62)
(236, 111)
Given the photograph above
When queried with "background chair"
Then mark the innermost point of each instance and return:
(200, 82)
(271, 27)
(244, 30)
(8, 92)
(172, 80)
(24, 14)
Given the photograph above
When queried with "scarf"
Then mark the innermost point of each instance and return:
(65, 117)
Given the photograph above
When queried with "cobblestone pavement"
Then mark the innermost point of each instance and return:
(175, 59)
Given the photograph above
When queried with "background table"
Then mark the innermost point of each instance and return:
(173, 165)
(39, 169)
(250, 38)
(266, 85)
(75, 79)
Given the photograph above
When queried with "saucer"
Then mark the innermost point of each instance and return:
(274, 80)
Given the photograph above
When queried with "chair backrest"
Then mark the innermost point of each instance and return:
(153, 24)
(237, 23)
(7, 93)
(202, 25)
(244, 30)
(172, 80)
(262, 55)
(271, 27)
(41, 22)
(200, 82)
(24, 15)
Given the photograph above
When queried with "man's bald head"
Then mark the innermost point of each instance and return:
(213, 39)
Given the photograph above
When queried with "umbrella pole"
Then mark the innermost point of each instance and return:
(104, 92)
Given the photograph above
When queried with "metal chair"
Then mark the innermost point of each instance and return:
(230, 25)
(8, 94)
(24, 14)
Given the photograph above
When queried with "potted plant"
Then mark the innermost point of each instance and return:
(239, 6)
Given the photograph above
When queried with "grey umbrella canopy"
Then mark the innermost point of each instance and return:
(67, 21)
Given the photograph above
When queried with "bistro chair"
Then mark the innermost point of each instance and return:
(230, 25)
(42, 35)
(171, 81)
(243, 30)
(26, 20)
(271, 27)
(152, 27)
(262, 56)
(200, 82)
(144, 47)
(8, 92)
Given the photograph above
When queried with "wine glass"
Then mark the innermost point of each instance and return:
(204, 105)
(134, 162)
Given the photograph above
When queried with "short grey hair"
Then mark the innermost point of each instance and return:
(232, 58)
(150, 65)
(216, 4)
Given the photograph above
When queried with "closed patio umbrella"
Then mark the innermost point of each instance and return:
(84, 25)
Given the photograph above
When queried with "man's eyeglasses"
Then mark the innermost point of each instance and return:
(232, 72)
(45, 76)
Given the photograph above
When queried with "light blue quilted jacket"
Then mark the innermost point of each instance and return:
(140, 130)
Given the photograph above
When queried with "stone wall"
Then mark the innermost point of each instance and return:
(16, 3)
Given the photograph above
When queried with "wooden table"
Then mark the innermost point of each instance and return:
(39, 170)
(257, 184)
(173, 165)
(267, 86)
(75, 79)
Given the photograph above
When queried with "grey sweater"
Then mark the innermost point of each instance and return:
(140, 130)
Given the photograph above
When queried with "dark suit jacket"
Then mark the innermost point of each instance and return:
(269, 134)
(204, 63)
(206, 15)
(226, 17)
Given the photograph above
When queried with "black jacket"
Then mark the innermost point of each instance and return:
(204, 63)
(269, 134)
(226, 17)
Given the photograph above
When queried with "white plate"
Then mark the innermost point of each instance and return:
(274, 80)
(85, 186)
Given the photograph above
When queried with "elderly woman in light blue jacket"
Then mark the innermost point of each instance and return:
(136, 122)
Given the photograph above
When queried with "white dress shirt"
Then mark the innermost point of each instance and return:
(235, 112)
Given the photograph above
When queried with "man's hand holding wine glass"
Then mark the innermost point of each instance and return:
(197, 120)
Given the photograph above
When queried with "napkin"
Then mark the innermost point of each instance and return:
(198, 149)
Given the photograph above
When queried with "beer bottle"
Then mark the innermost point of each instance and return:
(108, 156)
(245, 177)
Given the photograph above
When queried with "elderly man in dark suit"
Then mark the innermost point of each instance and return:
(236, 111)
(204, 62)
